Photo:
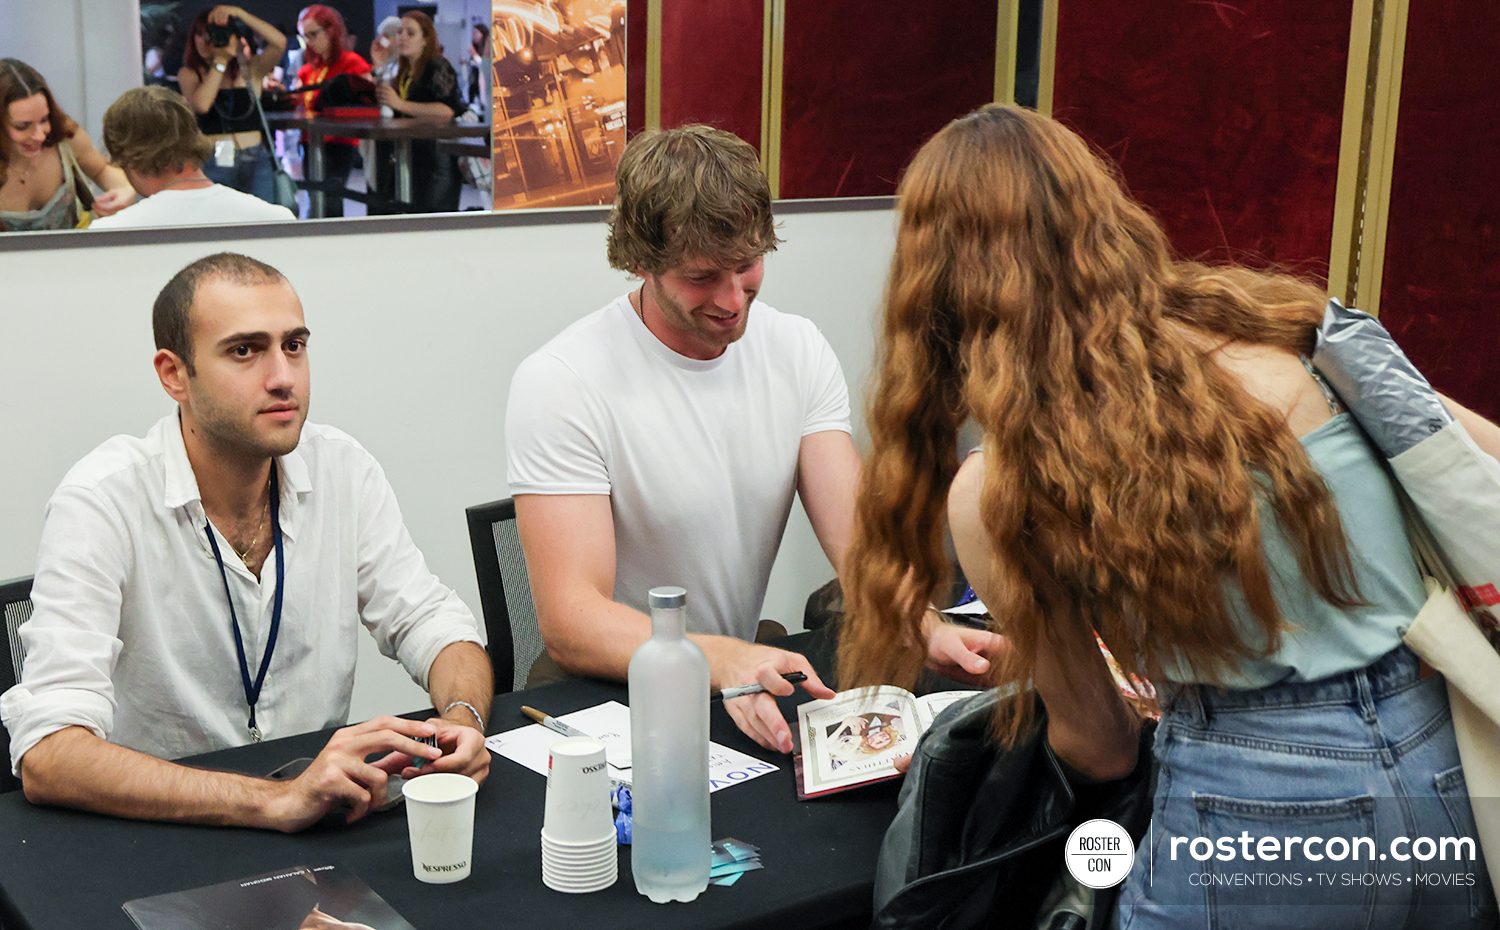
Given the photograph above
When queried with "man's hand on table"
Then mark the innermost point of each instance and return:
(462, 743)
(341, 776)
(734, 662)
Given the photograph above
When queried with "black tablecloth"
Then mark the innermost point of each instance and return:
(69, 870)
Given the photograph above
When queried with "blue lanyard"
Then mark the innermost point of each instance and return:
(252, 689)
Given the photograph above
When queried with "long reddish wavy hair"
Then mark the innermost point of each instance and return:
(1126, 474)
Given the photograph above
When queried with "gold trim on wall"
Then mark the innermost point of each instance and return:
(1047, 57)
(1372, 94)
(1382, 156)
(1007, 29)
(653, 64)
(773, 51)
(1354, 148)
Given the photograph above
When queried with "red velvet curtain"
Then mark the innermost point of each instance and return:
(1224, 118)
(1440, 295)
(711, 57)
(866, 83)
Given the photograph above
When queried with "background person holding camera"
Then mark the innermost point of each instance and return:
(219, 73)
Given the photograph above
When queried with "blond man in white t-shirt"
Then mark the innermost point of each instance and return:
(661, 439)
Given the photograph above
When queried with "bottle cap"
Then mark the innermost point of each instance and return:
(667, 598)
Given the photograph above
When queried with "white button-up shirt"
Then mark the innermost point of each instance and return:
(131, 635)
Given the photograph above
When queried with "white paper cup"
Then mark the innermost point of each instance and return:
(580, 880)
(579, 855)
(440, 820)
(578, 810)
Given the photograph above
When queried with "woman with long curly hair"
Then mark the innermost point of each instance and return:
(1160, 466)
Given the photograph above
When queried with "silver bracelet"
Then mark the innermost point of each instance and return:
(471, 710)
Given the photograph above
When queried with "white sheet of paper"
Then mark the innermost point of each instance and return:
(972, 609)
(610, 724)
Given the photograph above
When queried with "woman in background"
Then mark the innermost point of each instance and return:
(384, 62)
(479, 68)
(217, 81)
(325, 57)
(426, 86)
(43, 156)
(1159, 465)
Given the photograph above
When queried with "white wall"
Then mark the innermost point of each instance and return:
(415, 336)
(52, 36)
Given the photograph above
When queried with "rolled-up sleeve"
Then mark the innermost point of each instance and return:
(72, 638)
(412, 615)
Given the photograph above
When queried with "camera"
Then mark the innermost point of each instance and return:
(219, 36)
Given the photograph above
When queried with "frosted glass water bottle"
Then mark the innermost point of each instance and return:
(669, 756)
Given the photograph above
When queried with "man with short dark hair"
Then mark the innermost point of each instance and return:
(204, 586)
(153, 136)
(661, 439)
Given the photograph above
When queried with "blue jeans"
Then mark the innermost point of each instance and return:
(1292, 806)
(252, 172)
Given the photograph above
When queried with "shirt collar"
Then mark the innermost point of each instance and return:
(653, 344)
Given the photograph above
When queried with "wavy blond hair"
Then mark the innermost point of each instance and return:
(1126, 474)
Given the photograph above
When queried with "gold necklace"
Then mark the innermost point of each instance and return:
(641, 299)
(23, 178)
(250, 547)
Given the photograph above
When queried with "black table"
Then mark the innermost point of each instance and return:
(400, 130)
(69, 870)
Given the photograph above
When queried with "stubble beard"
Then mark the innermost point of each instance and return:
(233, 437)
(683, 320)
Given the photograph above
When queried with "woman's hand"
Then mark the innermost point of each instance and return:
(114, 200)
(959, 652)
(219, 15)
(386, 96)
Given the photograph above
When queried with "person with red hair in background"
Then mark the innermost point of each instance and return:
(324, 57)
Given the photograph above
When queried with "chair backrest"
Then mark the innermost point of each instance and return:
(15, 603)
(515, 640)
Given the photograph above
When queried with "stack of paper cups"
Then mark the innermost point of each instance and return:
(579, 851)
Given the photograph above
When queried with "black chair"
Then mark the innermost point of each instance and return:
(515, 640)
(15, 602)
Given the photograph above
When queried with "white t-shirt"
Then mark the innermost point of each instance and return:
(131, 635)
(204, 206)
(699, 458)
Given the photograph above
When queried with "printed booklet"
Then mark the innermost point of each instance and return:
(855, 737)
(322, 897)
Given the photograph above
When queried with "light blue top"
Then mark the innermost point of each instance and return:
(1322, 640)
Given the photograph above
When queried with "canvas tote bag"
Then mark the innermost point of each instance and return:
(1452, 491)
